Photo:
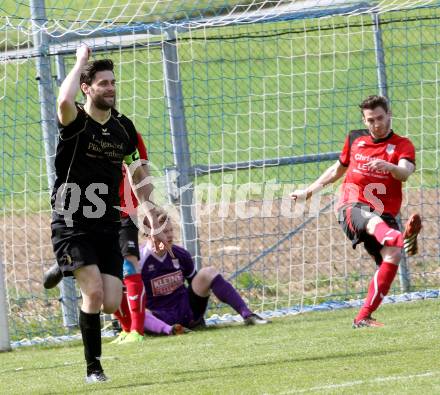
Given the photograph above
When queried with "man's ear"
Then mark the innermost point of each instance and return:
(363, 120)
(84, 88)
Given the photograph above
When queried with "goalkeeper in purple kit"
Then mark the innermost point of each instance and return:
(169, 301)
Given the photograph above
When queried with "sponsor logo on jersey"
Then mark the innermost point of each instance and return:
(166, 284)
(150, 268)
(364, 158)
(361, 143)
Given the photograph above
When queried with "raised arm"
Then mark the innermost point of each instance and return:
(332, 174)
(66, 109)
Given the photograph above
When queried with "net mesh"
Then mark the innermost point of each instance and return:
(261, 81)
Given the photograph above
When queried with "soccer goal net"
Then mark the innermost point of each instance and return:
(239, 103)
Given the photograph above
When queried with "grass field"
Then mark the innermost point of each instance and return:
(253, 91)
(310, 353)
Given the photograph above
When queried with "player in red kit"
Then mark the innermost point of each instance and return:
(375, 162)
(131, 313)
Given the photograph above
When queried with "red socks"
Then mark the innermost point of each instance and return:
(136, 301)
(379, 287)
(388, 236)
(123, 314)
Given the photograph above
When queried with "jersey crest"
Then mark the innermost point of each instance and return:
(390, 149)
(176, 263)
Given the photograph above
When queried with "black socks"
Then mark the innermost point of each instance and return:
(90, 326)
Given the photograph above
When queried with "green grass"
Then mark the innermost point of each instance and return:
(310, 353)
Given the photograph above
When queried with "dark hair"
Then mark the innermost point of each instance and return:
(371, 102)
(90, 70)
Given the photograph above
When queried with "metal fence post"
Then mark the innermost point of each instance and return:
(5, 344)
(179, 137)
(404, 278)
(380, 56)
(404, 275)
(50, 133)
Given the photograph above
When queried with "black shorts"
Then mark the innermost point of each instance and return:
(354, 219)
(198, 305)
(129, 238)
(87, 244)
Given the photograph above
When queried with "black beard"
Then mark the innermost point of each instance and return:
(101, 104)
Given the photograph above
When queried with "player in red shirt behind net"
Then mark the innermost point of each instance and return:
(131, 312)
(375, 162)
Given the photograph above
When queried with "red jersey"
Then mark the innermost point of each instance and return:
(378, 189)
(130, 208)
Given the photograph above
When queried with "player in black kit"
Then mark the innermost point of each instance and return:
(94, 141)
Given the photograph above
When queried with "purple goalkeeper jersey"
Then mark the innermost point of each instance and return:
(164, 281)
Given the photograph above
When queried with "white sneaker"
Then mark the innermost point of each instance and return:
(96, 377)
(255, 319)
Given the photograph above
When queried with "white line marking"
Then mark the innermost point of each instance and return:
(358, 382)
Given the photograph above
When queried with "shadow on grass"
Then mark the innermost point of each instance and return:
(316, 358)
(197, 375)
(108, 387)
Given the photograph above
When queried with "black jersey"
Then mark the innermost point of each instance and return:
(88, 166)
